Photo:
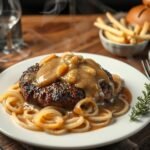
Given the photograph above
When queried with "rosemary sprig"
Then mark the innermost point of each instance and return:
(142, 107)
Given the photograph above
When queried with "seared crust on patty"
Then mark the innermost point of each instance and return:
(59, 93)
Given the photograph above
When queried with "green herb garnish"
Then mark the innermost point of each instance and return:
(142, 107)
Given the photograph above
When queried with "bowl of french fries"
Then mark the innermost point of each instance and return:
(121, 38)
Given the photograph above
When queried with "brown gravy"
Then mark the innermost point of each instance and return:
(83, 73)
(125, 91)
(118, 105)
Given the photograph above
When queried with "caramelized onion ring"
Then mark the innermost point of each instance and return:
(85, 112)
(49, 118)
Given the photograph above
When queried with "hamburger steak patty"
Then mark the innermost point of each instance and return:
(59, 93)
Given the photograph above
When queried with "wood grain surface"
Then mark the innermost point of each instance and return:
(53, 34)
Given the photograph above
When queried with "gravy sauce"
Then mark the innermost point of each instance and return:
(118, 105)
(83, 73)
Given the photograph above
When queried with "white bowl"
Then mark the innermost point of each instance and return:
(122, 49)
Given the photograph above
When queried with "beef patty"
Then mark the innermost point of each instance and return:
(59, 93)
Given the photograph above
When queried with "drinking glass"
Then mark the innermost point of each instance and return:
(10, 15)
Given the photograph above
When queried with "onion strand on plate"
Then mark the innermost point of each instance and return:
(142, 107)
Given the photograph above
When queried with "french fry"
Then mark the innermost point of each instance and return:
(102, 25)
(108, 28)
(145, 28)
(114, 38)
(132, 40)
(137, 29)
(123, 22)
(119, 25)
(100, 20)
(143, 37)
(114, 26)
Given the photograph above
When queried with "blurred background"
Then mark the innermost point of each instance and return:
(76, 6)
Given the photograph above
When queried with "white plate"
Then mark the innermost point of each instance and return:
(115, 132)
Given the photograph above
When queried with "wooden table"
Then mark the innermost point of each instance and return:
(52, 34)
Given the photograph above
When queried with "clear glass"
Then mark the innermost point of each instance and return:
(10, 15)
